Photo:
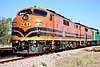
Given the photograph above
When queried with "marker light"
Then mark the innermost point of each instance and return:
(39, 23)
(14, 23)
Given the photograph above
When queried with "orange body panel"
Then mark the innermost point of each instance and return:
(54, 29)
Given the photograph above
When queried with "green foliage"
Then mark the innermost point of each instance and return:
(5, 26)
(96, 48)
(44, 64)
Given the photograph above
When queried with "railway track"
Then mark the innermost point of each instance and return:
(6, 55)
(5, 48)
(5, 51)
(10, 59)
(15, 57)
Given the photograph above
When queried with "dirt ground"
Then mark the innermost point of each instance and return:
(83, 57)
(79, 58)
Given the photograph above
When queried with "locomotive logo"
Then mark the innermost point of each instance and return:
(26, 24)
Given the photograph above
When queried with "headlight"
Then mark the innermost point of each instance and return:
(15, 41)
(14, 23)
(39, 23)
(25, 17)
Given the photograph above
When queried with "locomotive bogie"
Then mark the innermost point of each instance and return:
(31, 47)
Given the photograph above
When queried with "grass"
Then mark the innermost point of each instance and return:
(44, 64)
(80, 60)
(58, 55)
(33, 65)
(96, 49)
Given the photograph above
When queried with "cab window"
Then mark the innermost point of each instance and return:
(23, 12)
(50, 17)
(38, 12)
(76, 26)
(97, 32)
(66, 22)
(86, 29)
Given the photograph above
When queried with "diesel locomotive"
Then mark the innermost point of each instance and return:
(37, 30)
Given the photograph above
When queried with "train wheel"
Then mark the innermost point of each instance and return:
(32, 48)
(73, 45)
(67, 45)
(14, 50)
(77, 44)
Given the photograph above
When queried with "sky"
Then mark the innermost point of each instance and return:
(86, 12)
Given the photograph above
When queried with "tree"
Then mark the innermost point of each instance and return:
(5, 25)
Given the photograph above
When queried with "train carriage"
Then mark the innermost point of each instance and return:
(95, 36)
(83, 33)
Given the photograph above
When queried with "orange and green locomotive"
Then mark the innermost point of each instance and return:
(37, 30)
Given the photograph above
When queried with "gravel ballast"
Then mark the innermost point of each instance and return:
(69, 58)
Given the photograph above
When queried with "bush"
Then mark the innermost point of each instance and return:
(5, 29)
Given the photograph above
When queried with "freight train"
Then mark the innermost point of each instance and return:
(37, 30)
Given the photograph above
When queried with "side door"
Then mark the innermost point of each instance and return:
(52, 23)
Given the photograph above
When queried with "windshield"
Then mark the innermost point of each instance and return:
(28, 11)
(39, 12)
